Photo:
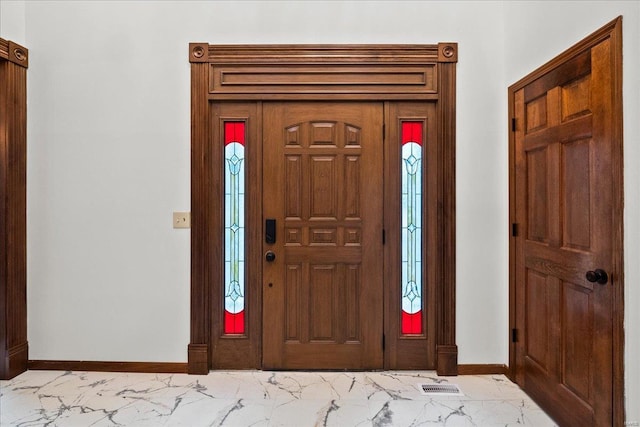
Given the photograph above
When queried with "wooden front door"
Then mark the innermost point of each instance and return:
(323, 276)
(568, 238)
(295, 134)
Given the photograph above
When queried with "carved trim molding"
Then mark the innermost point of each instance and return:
(315, 54)
(198, 52)
(14, 52)
(448, 52)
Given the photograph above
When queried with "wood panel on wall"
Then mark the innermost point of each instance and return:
(13, 203)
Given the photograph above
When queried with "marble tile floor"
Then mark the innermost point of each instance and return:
(261, 398)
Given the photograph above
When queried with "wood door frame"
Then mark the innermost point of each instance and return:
(256, 73)
(612, 30)
(14, 348)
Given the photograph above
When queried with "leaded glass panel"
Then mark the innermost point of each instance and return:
(411, 233)
(234, 227)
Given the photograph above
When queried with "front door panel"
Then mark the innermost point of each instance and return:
(323, 277)
(565, 196)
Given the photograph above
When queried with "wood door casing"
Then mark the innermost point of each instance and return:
(567, 192)
(14, 347)
(254, 75)
(322, 183)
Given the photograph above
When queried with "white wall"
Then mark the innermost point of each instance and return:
(109, 144)
(108, 162)
(109, 90)
(12, 21)
(538, 31)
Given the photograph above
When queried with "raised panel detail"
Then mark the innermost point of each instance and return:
(323, 134)
(536, 113)
(325, 78)
(537, 196)
(352, 136)
(576, 98)
(577, 339)
(293, 236)
(352, 314)
(352, 237)
(323, 236)
(323, 188)
(292, 297)
(293, 136)
(321, 302)
(537, 318)
(577, 198)
(293, 194)
(351, 190)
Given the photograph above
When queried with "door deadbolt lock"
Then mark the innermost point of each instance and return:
(270, 256)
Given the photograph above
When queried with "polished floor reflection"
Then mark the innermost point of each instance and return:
(261, 398)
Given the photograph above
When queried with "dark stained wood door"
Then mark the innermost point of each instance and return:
(322, 184)
(566, 166)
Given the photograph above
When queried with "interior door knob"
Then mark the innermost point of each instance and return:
(598, 276)
(270, 256)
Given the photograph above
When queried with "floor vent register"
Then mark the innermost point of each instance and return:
(440, 389)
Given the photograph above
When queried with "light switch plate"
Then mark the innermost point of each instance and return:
(182, 220)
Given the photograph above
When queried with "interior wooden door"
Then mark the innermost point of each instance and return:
(567, 201)
(322, 184)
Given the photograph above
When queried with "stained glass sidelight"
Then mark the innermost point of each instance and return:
(411, 227)
(234, 188)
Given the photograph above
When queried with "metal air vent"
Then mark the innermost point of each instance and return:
(440, 389)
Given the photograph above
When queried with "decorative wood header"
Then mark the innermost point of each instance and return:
(360, 71)
(14, 52)
(204, 52)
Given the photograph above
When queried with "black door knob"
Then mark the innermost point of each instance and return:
(270, 256)
(598, 276)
